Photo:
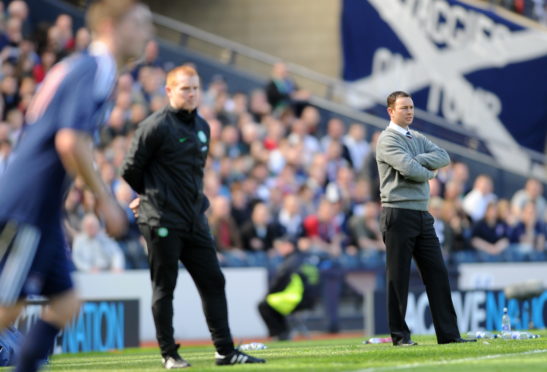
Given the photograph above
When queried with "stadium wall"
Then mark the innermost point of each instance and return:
(305, 32)
(244, 289)
(477, 310)
(499, 275)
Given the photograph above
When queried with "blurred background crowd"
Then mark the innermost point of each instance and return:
(275, 168)
(533, 9)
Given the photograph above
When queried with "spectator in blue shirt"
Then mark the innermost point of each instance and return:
(490, 235)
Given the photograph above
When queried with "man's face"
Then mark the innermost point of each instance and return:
(133, 32)
(183, 92)
(402, 112)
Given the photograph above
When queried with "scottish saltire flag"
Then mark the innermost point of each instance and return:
(479, 68)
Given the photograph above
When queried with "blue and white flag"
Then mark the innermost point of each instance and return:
(478, 68)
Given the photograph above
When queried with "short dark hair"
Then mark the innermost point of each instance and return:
(393, 97)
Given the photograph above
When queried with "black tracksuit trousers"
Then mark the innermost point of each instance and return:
(196, 250)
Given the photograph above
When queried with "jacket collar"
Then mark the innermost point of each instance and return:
(184, 115)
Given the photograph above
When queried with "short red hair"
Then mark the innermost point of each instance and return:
(185, 69)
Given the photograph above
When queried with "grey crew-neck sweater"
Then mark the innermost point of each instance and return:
(405, 165)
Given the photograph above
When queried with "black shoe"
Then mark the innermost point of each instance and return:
(236, 357)
(405, 343)
(462, 340)
(174, 362)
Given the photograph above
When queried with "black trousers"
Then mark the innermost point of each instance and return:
(277, 323)
(409, 233)
(197, 252)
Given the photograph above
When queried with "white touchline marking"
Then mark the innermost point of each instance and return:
(453, 361)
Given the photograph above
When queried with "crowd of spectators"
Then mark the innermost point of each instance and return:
(272, 170)
(533, 9)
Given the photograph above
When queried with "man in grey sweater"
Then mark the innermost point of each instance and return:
(407, 160)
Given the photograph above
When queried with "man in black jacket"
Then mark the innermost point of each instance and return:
(165, 167)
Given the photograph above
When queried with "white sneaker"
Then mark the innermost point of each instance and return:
(175, 362)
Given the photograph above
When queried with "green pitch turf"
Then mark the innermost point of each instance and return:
(336, 355)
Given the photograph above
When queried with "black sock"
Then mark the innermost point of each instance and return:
(225, 349)
(36, 346)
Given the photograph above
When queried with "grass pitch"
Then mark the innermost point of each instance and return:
(335, 355)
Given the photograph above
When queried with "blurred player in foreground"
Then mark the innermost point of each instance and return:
(56, 145)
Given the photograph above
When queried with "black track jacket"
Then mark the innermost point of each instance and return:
(164, 166)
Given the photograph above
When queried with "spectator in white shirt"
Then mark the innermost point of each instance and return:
(93, 250)
(532, 192)
(357, 145)
(290, 216)
(476, 201)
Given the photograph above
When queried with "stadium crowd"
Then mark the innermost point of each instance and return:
(533, 9)
(273, 170)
